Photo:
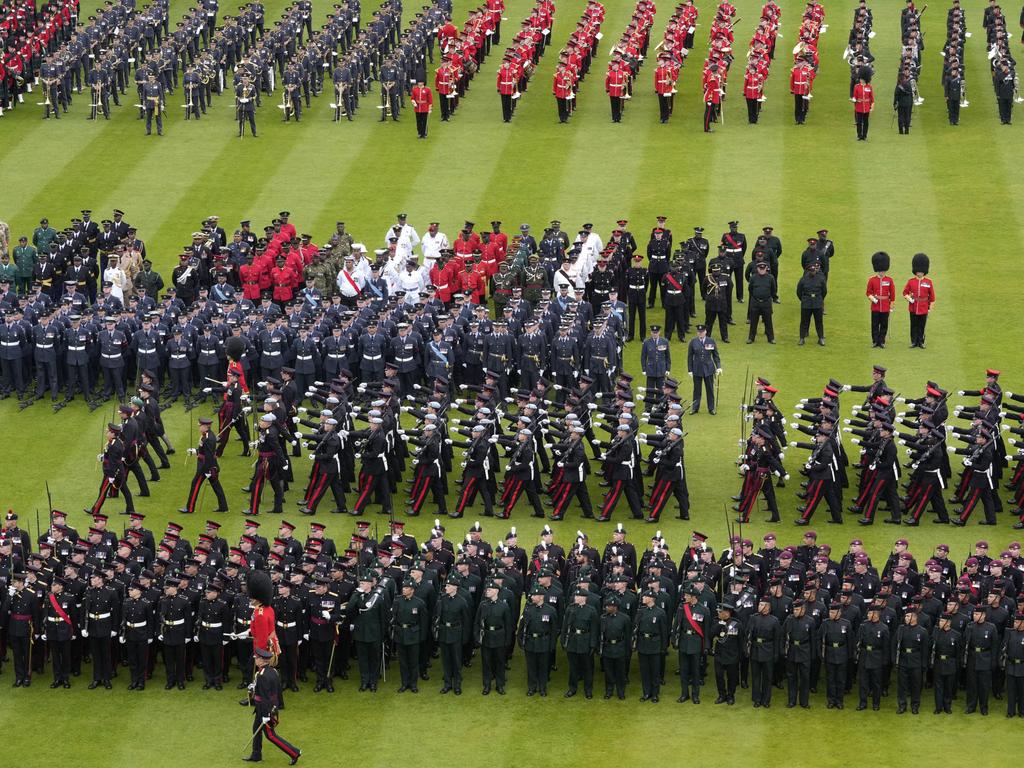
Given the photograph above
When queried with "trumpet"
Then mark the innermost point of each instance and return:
(385, 94)
(964, 103)
(339, 105)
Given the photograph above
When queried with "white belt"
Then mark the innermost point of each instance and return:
(178, 357)
(403, 359)
(99, 616)
(174, 623)
(11, 343)
(335, 354)
(139, 625)
(206, 625)
(303, 357)
(44, 346)
(111, 356)
(371, 357)
(54, 619)
(287, 625)
(147, 351)
(76, 349)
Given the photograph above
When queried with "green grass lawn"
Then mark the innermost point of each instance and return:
(954, 193)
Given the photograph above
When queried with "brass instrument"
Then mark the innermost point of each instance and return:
(385, 94)
(339, 102)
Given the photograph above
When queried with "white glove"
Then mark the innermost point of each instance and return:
(950, 449)
(1008, 393)
(690, 374)
(460, 401)
(261, 384)
(855, 441)
(312, 456)
(968, 462)
(188, 640)
(99, 457)
(803, 400)
(286, 467)
(561, 464)
(207, 390)
(123, 641)
(150, 641)
(43, 637)
(158, 637)
(718, 370)
(901, 399)
(492, 439)
(792, 444)
(847, 429)
(191, 451)
(326, 614)
(223, 642)
(10, 591)
(247, 409)
(1005, 427)
(306, 636)
(786, 476)
(295, 419)
(404, 408)
(301, 409)
(405, 438)
(232, 636)
(793, 424)
(265, 720)
(744, 468)
(113, 633)
(592, 406)
(960, 392)
(85, 633)
(847, 387)
(847, 421)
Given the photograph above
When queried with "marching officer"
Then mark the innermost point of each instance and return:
(703, 364)
(207, 468)
(655, 359)
(637, 283)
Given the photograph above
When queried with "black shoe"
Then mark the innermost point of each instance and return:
(253, 759)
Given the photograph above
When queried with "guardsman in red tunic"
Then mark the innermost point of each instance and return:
(800, 82)
(447, 96)
(920, 295)
(564, 85)
(753, 92)
(665, 75)
(616, 82)
(284, 281)
(881, 292)
(863, 103)
(250, 275)
(712, 95)
(422, 104)
(507, 88)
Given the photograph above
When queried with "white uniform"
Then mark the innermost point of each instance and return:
(350, 284)
(407, 240)
(412, 283)
(361, 267)
(432, 247)
(118, 281)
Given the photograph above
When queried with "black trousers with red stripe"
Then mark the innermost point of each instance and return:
(979, 492)
(564, 492)
(319, 482)
(817, 490)
(756, 483)
(620, 487)
(266, 474)
(110, 486)
(197, 483)
(472, 486)
(425, 482)
(514, 487)
(665, 488)
(927, 490)
(368, 486)
(260, 729)
(883, 486)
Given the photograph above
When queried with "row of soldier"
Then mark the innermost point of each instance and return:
(756, 619)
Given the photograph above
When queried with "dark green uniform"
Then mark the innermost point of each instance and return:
(836, 651)
(725, 647)
(369, 620)
(981, 641)
(947, 650)
(872, 655)
(764, 640)
(690, 636)
(1013, 663)
(651, 631)
(614, 648)
(409, 627)
(451, 625)
(581, 630)
(538, 631)
(800, 648)
(910, 653)
(495, 629)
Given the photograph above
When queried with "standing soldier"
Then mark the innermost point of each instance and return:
(659, 249)
(674, 284)
(174, 615)
(863, 103)
(910, 654)
(871, 654)
(614, 646)
(725, 647)
(703, 364)
(799, 637)
(137, 630)
(538, 634)
(763, 643)
(920, 295)
(947, 650)
(23, 613)
(409, 624)
(837, 643)
(764, 292)
(581, 631)
(495, 631)
(616, 85)
(59, 625)
(100, 617)
(655, 359)
(422, 105)
(245, 105)
(207, 468)
(881, 292)
(801, 80)
(369, 622)
(451, 627)
(1012, 657)
(636, 294)
(712, 96)
(691, 637)
(212, 616)
(981, 641)
(811, 292)
(651, 632)
(153, 93)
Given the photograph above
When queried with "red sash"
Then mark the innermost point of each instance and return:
(60, 611)
(351, 282)
(731, 241)
(675, 283)
(695, 624)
